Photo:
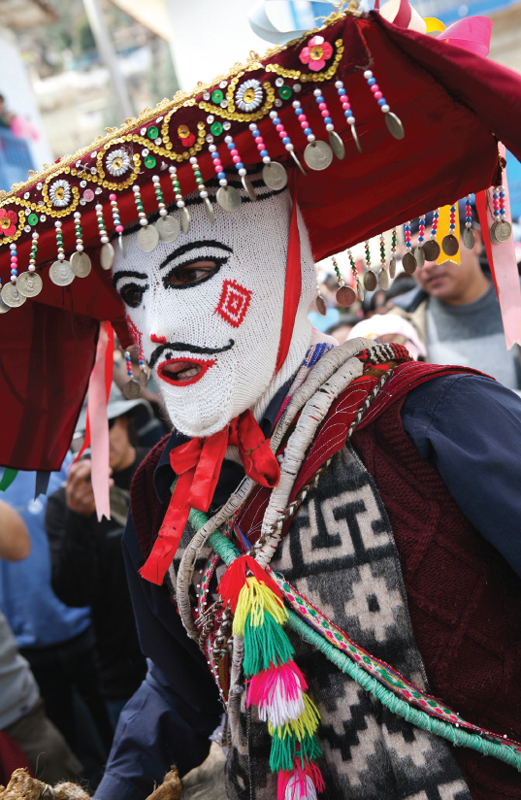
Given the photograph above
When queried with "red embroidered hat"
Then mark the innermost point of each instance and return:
(385, 122)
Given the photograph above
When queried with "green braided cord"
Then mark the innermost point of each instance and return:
(457, 736)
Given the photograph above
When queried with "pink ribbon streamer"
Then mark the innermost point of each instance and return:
(97, 415)
(503, 263)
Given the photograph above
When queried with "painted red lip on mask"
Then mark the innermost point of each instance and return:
(183, 372)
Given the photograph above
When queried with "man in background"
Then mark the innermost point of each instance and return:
(456, 312)
(86, 555)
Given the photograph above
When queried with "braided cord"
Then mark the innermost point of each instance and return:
(455, 735)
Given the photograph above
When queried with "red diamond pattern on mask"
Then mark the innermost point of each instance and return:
(233, 303)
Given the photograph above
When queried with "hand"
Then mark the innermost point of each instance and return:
(79, 494)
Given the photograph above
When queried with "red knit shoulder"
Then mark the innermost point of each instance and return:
(147, 510)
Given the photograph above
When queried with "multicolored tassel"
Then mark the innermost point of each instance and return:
(277, 686)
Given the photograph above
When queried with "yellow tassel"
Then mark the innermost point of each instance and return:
(256, 598)
(305, 725)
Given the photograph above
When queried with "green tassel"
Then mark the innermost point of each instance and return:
(281, 756)
(265, 645)
(286, 749)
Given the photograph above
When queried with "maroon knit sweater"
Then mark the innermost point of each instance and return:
(464, 599)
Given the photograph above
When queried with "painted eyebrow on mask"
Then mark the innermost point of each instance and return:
(128, 273)
(185, 248)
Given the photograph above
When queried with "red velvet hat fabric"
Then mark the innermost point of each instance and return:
(453, 105)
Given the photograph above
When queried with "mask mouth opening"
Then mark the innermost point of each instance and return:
(183, 372)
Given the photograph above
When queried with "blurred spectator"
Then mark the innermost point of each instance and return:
(340, 330)
(402, 283)
(6, 117)
(456, 312)
(15, 544)
(87, 560)
(374, 303)
(57, 641)
(384, 328)
(27, 737)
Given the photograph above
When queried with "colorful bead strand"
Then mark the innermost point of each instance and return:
(183, 211)
(335, 141)
(419, 253)
(80, 261)
(11, 295)
(346, 108)
(239, 166)
(303, 120)
(450, 244)
(392, 260)
(345, 295)
(408, 262)
(118, 227)
(274, 174)
(501, 228)
(369, 276)
(259, 141)
(132, 388)
(359, 286)
(14, 262)
(143, 220)
(394, 124)
(468, 233)
(317, 155)
(431, 247)
(107, 251)
(217, 165)
(142, 367)
(104, 239)
(383, 277)
(286, 141)
(159, 196)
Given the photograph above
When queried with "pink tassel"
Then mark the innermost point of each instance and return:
(302, 783)
(277, 692)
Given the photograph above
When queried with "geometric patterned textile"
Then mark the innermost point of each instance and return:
(340, 553)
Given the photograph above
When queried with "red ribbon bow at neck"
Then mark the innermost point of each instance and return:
(197, 465)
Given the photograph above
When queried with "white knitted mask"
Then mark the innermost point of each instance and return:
(213, 344)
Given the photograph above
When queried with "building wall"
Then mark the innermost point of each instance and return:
(505, 47)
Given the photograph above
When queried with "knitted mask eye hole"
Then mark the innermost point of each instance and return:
(132, 294)
(192, 273)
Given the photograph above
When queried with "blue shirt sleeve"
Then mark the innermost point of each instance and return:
(469, 428)
(175, 710)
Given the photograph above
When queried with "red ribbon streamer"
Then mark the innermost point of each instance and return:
(197, 465)
(293, 282)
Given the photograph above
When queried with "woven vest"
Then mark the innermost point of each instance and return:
(464, 599)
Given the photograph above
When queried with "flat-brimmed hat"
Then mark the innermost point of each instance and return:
(386, 123)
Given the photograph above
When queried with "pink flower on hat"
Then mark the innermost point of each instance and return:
(8, 221)
(316, 53)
